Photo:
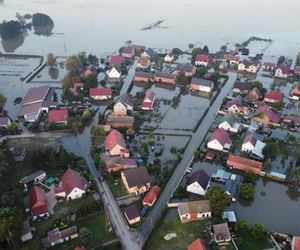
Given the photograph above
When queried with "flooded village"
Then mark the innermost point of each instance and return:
(149, 146)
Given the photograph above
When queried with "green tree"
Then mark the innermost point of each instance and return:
(258, 231)
(67, 82)
(270, 150)
(85, 235)
(173, 150)
(2, 100)
(73, 65)
(218, 200)
(86, 116)
(13, 128)
(249, 177)
(202, 71)
(243, 225)
(293, 176)
(205, 49)
(247, 191)
(257, 84)
(196, 51)
(90, 81)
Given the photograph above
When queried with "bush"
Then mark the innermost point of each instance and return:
(247, 191)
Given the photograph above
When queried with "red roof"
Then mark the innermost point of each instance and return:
(38, 201)
(201, 58)
(297, 70)
(113, 139)
(60, 115)
(116, 59)
(272, 115)
(100, 91)
(148, 99)
(196, 245)
(284, 68)
(151, 196)
(143, 60)
(244, 164)
(275, 95)
(221, 136)
(295, 90)
(296, 243)
(72, 179)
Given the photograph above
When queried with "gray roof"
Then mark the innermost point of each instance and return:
(36, 94)
(126, 99)
(221, 232)
(202, 206)
(232, 188)
(31, 177)
(201, 177)
(202, 82)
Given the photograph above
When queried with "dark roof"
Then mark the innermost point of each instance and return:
(165, 74)
(36, 94)
(131, 212)
(201, 177)
(242, 85)
(202, 82)
(127, 50)
(143, 74)
(185, 67)
(232, 187)
(150, 52)
(137, 176)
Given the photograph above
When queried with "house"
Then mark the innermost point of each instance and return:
(150, 53)
(143, 63)
(5, 121)
(85, 73)
(232, 188)
(38, 203)
(132, 214)
(237, 106)
(202, 85)
(294, 92)
(221, 234)
(252, 145)
(231, 59)
(244, 164)
(151, 196)
(72, 185)
(116, 121)
(241, 87)
(148, 100)
(26, 231)
(221, 176)
(253, 95)
(230, 123)
(116, 60)
(142, 77)
(136, 180)
(77, 88)
(138, 49)
(127, 52)
(229, 216)
(295, 244)
(196, 245)
(35, 177)
(248, 66)
(194, 210)
(165, 77)
(202, 60)
(292, 120)
(123, 105)
(169, 57)
(223, 65)
(297, 71)
(36, 101)
(115, 144)
(100, 93)
(58, 116)
(198, 183)
(274, 97)
(268, 66)
(18, 153)
(114, 73)
(116, 164)
(266, 115)
(219, 140)
(185, 69)
(57, 236)
(282, 71)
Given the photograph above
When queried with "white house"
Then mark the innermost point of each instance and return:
(202, 85)
(194, 210)
(169, 57)
(282, 71)
(219, 140)
(248, 66)
(254, 146)
(100, 93)
(198, 183)
(114, 72)
(237, 107)
(123, 105)
(230, 123)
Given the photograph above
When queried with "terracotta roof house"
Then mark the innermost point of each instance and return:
(203, 85)
(58, 116)
(196, 245)
(194, 210)
(100, 93)
(185, 69)
(221, 233)
(143, 63)
(295, 91)
(151, 196)
(253, 95)
(136, 180)
(77, 88)
(123, 105)
(165, 77)
(114, 73)
(295, 244)
(237, 106)
(115, 144)
(282, 71)
(150, 53)
(202, 60)
(132, 214)
(219, 140)
(291, 119)
(169, 57)
(230, 122)
(274, 97)
(248, 66)
(142, 77)
(117, 121)
(268, 66)
(72, 185)
(254, 146)
(297, 71)
(266, 115)
(38, 203)
(148, 100)
(244, 164)
(241, 87)
(5, 121)
(231, 59)
(198, 183)
(127, 52)
(56, 236)
(116, 60)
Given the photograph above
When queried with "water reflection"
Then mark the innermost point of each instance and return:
(11, 45)
(43, 30)
(53, 72)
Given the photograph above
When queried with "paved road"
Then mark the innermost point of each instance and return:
(174, 181)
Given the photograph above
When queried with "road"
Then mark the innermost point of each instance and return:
(187, 158)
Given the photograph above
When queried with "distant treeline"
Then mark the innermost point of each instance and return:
(251, 39)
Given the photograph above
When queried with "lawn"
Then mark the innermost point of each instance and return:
(247, 242)
(116, 187)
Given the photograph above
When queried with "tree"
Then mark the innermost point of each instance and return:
(13, 128)
(278, 105)
(173, 150)
(176, 51)
(257, 84)
(93, 60)
(2, 100)
(196, 51)
(10, 30)
(281, 60)
(85, 235)
(51, 60)
(293, 176)
(205, 49)
(215, 77)
(90, 81)
(67, 82)
(218, 200)
(247, 190)
(243, 226)
(258, 231)
(191, 46)
(223, 48)
(86, 116)
(249, 177)
(202, 71)
(270, 150)
(73, 65)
